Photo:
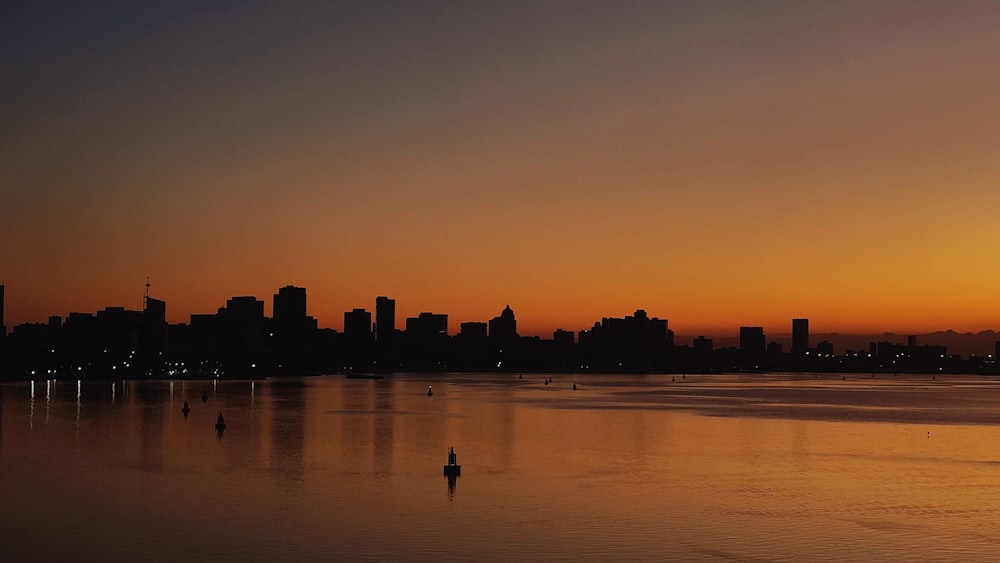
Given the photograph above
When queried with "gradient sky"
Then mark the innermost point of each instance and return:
(715, 163)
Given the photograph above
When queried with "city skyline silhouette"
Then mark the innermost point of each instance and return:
(671, 279)
(277, 308)
(240, 340)
(720, 164)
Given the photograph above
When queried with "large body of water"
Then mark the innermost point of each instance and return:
(625, 468)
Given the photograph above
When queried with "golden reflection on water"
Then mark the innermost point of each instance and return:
(625, 468)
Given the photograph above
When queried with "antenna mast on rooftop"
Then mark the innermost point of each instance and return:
(145, 296)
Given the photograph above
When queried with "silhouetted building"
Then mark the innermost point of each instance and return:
(203, 337)
(153, 338)
(906, 357)
(911, 341)
(824, 348)
(289, 305)
(800, 336)
(427, 324)
(156, 311)
(752, 339)
(240, 334)
(473, 329)
(358, 339)
(753, 345)
(427, 341)
(563, 337)
(472, 349)
(292, 338)
(702, 356)
(631, 344)
(385, 319)
(504, 326)
(386, 356)
(357, 324)
(244, 309)
(3, 325)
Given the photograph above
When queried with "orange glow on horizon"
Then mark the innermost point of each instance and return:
(714, 167)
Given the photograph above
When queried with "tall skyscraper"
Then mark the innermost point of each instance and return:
(385, 319)
(289, 304)
(156, 311)
(800, 336)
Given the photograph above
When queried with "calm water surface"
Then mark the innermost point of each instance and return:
(626, 468)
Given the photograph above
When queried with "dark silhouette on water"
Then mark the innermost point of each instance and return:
(204, 396)
(453, 468)
(238, 341)
(185, 409)
(220, 424)
(430, 392)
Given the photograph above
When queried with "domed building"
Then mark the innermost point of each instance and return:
(504, 326)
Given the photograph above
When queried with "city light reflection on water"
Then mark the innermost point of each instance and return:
(625, 468)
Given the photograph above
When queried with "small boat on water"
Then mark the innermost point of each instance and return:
(453, 468)
(430, 392)
(220, 423)
(185, 409)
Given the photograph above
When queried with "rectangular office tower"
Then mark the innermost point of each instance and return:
(385, 319)
(358, 325)
(800, 336)
(289, 304)
(752, 340)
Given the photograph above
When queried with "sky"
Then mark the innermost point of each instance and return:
(714, 163)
